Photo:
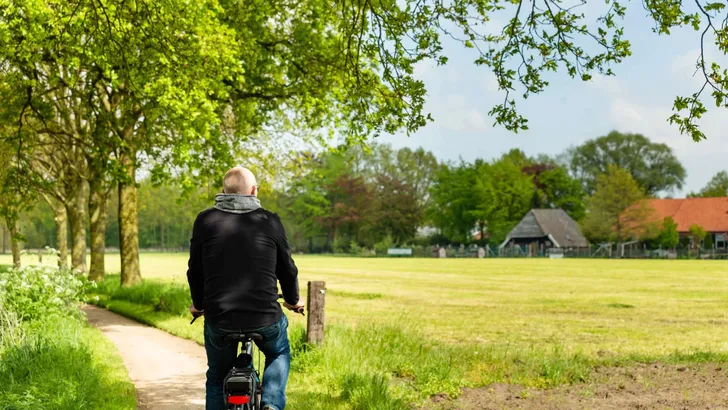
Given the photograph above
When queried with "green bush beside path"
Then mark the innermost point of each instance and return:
(50, 358)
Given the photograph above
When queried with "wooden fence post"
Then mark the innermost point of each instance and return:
(316, 304)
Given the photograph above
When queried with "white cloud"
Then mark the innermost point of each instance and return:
(702, 159)
(686, 63)
(491, 83)
(495, 25)
(652, 121)
(456, 113)
(424, 68)
(685, 69)
(612, 85)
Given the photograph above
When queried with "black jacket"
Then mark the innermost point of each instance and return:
(235, 260)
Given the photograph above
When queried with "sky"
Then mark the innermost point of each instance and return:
(638, 99)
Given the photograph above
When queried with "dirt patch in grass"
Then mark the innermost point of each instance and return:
(653, 386)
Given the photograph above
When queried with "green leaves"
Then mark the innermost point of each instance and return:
(653, 165)
(195, 80)
(714, 6)
(716, 187)
(669, 236)
(615, 210)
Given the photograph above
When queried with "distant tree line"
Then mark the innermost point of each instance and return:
(93, 93)
(355, 198)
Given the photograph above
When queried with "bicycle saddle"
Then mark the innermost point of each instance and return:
(244, 337)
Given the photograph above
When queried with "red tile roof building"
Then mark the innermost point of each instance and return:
(709, 213)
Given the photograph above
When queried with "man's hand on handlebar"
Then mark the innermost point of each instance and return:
(195, 313)
(298, 307)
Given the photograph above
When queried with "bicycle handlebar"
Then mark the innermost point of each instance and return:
(300, 311)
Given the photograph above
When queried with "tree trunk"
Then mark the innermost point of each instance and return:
(61, 220)
(129, 227)
(161, 236)
(14, 243)
(77, 217)
(98, 217)
(61, 235)
(5, 239)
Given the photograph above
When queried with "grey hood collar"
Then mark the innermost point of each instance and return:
(236, 203)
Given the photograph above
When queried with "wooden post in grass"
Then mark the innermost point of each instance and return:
(316, 304)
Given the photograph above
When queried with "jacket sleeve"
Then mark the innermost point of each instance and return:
(195, 275)
(286, 270)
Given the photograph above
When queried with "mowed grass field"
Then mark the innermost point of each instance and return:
(621, 306)
(471, 322)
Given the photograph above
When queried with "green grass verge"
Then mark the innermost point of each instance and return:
(398, 334)
(63, 364)
(376, 366)
(371, 366)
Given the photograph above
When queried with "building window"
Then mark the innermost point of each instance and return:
(721, 241)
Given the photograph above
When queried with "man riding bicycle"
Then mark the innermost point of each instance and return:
(238, 253)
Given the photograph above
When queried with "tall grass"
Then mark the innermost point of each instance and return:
(63, 364)
(375, 366)
(49, 357)
(163, 297)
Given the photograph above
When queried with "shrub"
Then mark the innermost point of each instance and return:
(382, 246)
(698, 234)
(10, 330)
(338, 246)
(49, 357)
(669, 236)
(165, 297)
(34, 292)
(355, 248)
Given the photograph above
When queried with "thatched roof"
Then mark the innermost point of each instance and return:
(553, 223)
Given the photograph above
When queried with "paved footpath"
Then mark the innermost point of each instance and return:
(167, 371)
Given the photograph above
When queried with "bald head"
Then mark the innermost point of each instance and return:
(241, 181)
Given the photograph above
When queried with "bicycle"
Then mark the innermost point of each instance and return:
(242, 386)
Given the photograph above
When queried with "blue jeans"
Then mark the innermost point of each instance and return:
(221, 354)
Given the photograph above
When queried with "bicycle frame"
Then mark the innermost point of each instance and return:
(243, 364)
(242, 387)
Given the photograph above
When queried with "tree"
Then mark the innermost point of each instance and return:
(555, 188)
(397, 211)
(716, 187)
(652, 165)
(401, 181)
(453, 199)
(330, 199)
(414, 168)
(11, 205)
(358, 193)
(131, 82)
(350, 201)
(697, 236)
(617, 211)
(503, 196)
(669, 236)
(167, 213)
(61, 167)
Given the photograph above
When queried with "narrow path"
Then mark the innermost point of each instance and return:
(168, 372)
